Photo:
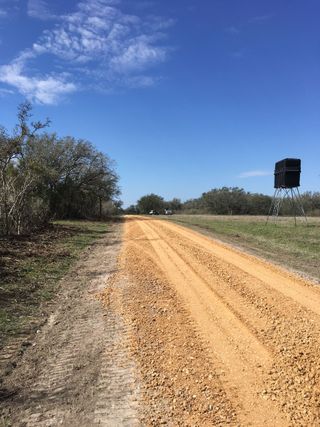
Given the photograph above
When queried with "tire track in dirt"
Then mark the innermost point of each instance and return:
(279, 279)
(289, 330)
(118, 390)
(180, 386)
(238, 350)
(45, 395)
(79, 372)
(263, 332)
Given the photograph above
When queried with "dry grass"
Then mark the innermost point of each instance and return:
(30, 269)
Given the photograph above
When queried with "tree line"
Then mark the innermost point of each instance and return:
(224, 201)
(44, 177)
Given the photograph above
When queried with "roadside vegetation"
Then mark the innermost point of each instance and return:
(30, 269)
(281, 242)
(224, 201)
(45, 177)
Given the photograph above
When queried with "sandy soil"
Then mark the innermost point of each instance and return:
(174, 329)
(78, 371)
(254, 329)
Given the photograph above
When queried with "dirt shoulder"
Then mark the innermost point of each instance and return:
(65, 375)
(31, 267)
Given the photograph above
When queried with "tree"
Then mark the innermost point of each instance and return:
(229, 201)
(258, 204)
(17, 176)
(131, 210)
(43, 176)
(226, 201)
(150, 202)
(174, 204)
(76, 179)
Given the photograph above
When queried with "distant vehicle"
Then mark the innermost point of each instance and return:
(168, 212)
(153, 212)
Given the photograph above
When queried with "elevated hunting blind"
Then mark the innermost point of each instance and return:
(286, 183)
(287, 173)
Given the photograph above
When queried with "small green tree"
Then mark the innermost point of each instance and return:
(76, 180)
(17, 173)
(174, 204)
(150, 202)
(43, 176)
(131, 210)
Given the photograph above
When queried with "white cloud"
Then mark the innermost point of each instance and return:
(99, 31)
(39, 9)
(96, 44)
(4, 92)
(140, 81)
(139, 54)
(45, 89)
(254, 173)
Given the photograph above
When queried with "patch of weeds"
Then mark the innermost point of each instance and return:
(5, 422)
(31, 267)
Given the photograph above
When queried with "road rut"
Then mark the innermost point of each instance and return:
(160, 325)
(260, 323)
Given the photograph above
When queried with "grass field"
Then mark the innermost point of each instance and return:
(31, 267)
(295, 247)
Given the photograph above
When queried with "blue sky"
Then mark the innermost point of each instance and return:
(184, 95)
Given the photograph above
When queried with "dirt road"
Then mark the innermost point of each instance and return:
(78, 371)
(256, 328)
(160, 325)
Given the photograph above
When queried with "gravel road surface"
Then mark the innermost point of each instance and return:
(160, 325)
(255, 327)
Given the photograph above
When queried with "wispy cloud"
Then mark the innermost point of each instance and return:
(254, 173)
(7, 7)
(43, 89)
(97, 44)
(4, 92)
(39, 9)
(240, 29)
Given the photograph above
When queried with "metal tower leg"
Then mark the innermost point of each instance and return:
(293, 195)
(299, 203)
